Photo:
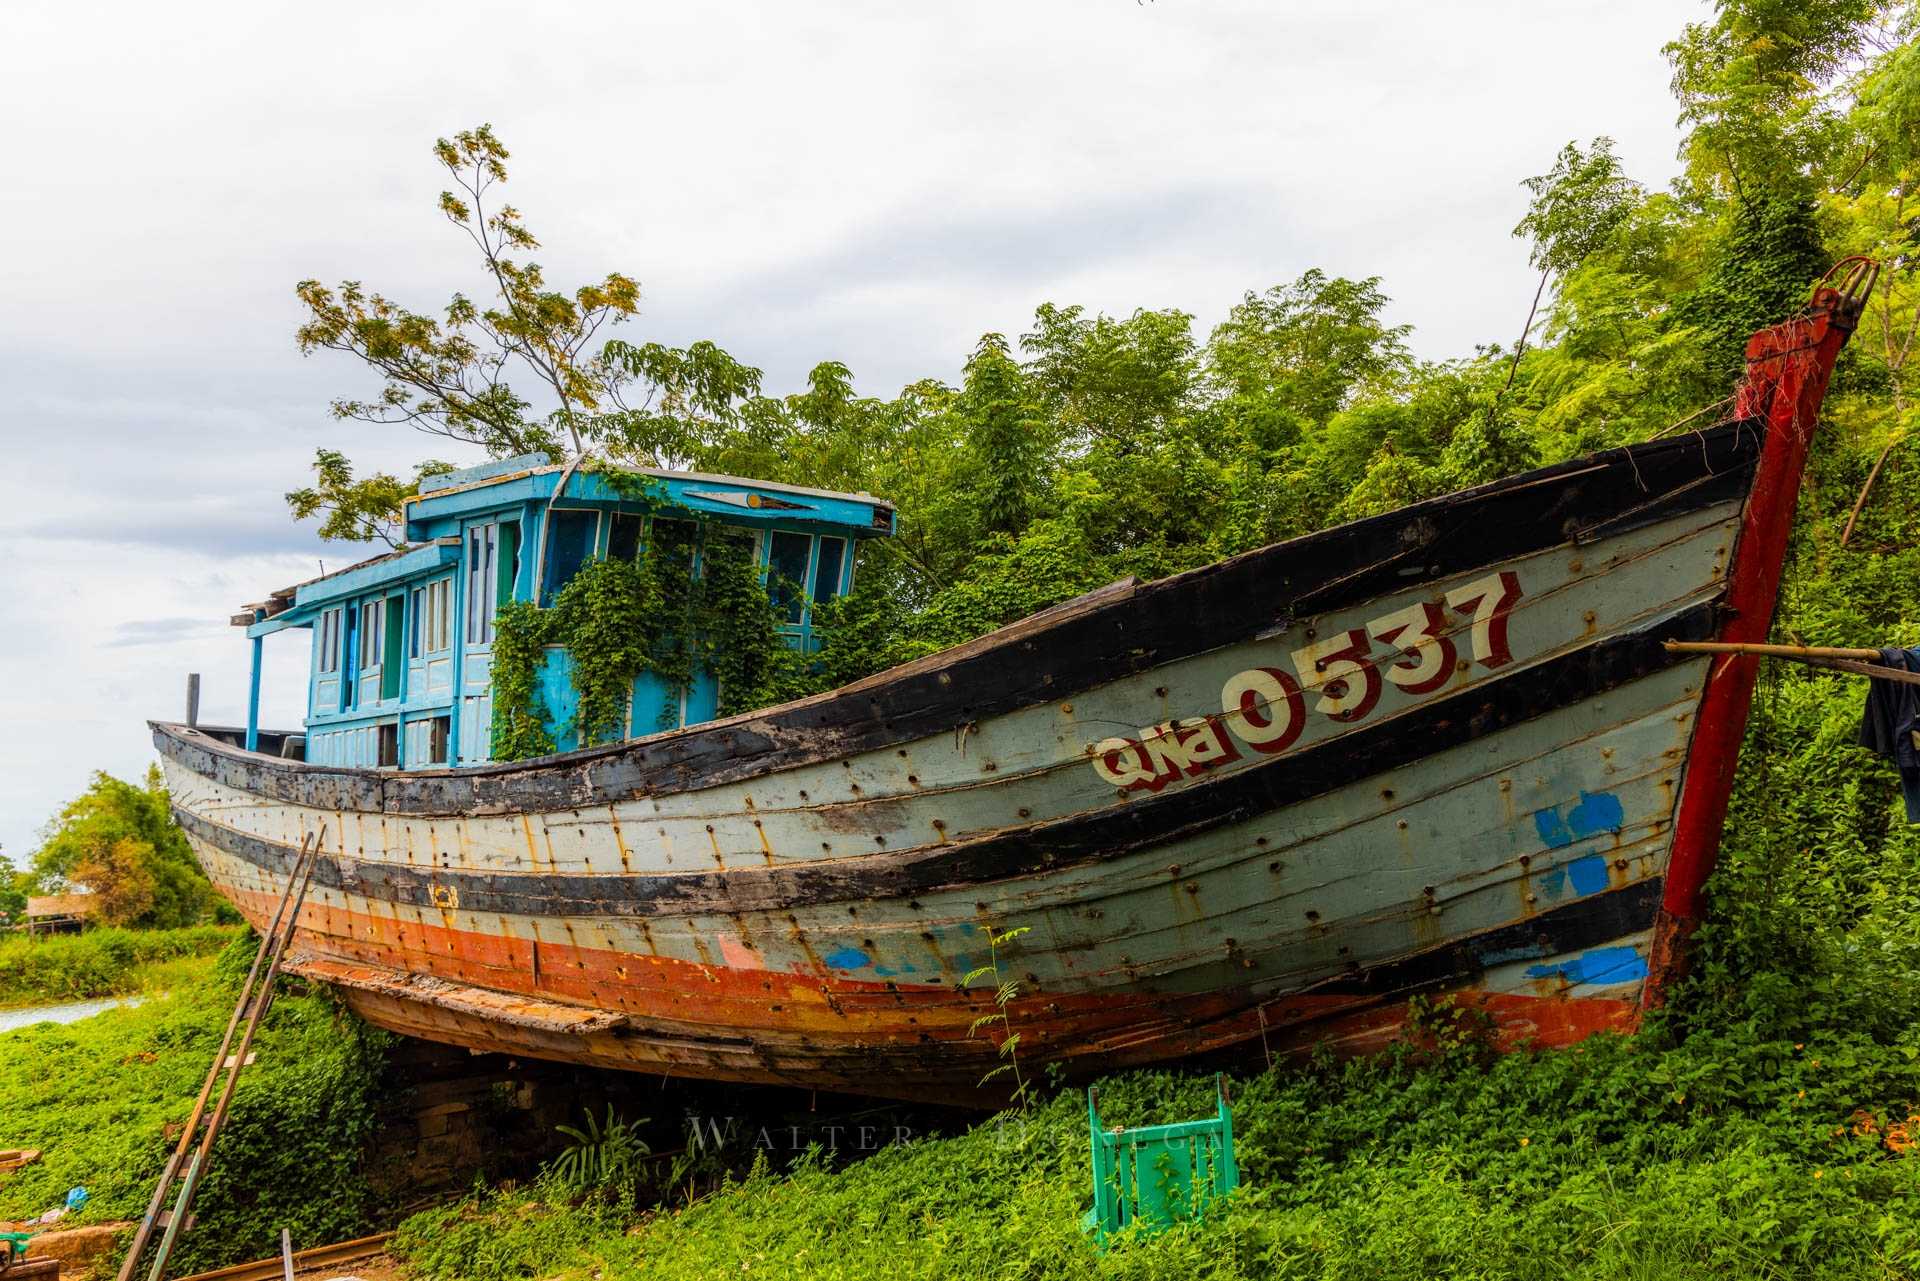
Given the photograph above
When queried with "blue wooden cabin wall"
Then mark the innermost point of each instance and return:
(427, 701)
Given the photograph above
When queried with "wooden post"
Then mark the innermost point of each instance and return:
(278, 940)
(193, 699)
(253, 688)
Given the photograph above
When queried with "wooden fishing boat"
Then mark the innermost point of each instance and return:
(1441, 751)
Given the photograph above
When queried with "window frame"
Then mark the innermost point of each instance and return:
(800, 585)
(482, 568)
(551, 584)
(329, 627)
(820, 542)
(373, 635)
(430, 621)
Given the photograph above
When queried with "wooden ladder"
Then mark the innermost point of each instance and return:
(197, 1139)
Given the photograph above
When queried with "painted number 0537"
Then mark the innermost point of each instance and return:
(1347, 674)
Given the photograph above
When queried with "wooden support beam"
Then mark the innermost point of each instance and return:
(1772, 651)
(1856, 662)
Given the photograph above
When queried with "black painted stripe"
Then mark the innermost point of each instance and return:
(1155, 624)
(1043, 847)
(1571, 927)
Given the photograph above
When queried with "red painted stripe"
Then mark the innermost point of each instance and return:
(812, 1024)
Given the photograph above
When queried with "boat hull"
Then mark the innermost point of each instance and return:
(1440, 753)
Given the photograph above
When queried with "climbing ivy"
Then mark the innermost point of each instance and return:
(520, 633)
(653, 614)
(609, 617)
(739, 626)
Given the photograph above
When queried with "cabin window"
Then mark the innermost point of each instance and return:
(329, 642)
(787, 559)
(390, 664)
(438, 730)
(623, 536)
(493, 562)
(508, 569)
(827, 569)
(432, 618)
(387, 745)
(372, 618)
(440, 616)
(570, 543)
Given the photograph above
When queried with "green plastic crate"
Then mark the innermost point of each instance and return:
(13, 1248)
(1158, 1176)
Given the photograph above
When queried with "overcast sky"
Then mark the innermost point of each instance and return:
(873, 183)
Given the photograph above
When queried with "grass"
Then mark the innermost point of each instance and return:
(1723, 1154)
(105, 962)
(100, 1097)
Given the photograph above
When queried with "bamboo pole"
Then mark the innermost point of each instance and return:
(1772, 651)
(144, 1235)
(302, 873)
(1838, 660)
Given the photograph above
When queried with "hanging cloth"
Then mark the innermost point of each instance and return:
(1890, 724)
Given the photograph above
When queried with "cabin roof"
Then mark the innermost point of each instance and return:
(505, 469)
(530, 478)
(535, 477)
(287, 607)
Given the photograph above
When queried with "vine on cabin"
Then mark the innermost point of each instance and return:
(609, 618)
(520, 631)
(653, 614)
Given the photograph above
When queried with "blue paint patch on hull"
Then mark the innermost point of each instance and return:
(1593, 814)
(848, 958)
(1601, 966)
(1589, 874)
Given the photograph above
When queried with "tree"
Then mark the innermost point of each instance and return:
(1752, 88)
(1104, 378)
(1003, 437)
(120, 875)
(449, 376)
(13, 892)
(358, 511)
(522, 373)
(1312, 347)
(1577, 206)
(1761, 267)
(119, 840)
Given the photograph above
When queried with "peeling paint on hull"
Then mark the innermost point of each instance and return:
(1442, 751)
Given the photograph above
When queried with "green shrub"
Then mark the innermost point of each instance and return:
(102, 962)
(98, 1098)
